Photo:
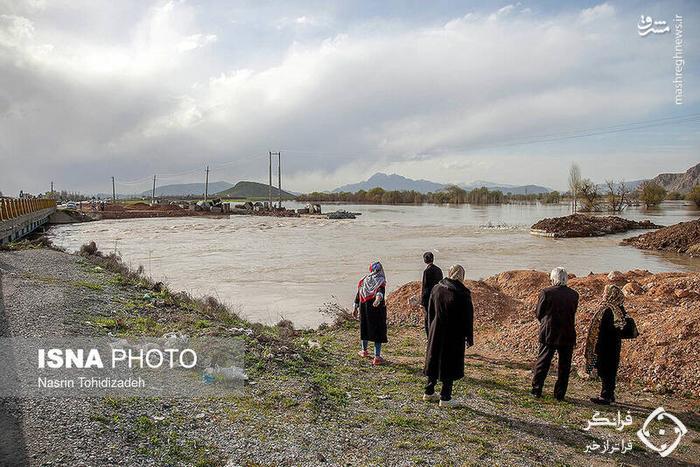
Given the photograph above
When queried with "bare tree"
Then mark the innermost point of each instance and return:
(574, 183)
(589, 195)
(617, 195)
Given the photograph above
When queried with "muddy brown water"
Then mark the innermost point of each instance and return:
(273, 268)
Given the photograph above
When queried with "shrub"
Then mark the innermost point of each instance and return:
(652, 194)
(694, 195)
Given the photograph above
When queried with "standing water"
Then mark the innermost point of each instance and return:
(271, 268)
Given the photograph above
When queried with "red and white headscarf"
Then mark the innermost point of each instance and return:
(372, 282)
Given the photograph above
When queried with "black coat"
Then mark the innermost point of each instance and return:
(431, 276)
(556, 312)
(609, 344)
(372, 319)
(453, 325)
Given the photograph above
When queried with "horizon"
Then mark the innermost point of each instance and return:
(446, 93)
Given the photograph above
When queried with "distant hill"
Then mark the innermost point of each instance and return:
(243, 190)
(680, 182)
(392, 182)
(397, 182)
(186, 189)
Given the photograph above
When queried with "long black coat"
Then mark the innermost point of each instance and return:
(372, 319)
(609, 345)
(556, 312)
(431, 276)
(453, 325)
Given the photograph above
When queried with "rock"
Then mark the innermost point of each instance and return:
(616, 276)
(682, 293)
(632, 288)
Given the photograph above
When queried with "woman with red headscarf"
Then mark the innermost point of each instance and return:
(370, 306)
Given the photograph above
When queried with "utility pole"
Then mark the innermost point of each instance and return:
(51, 187)
(153, 193)
(114, 192)
(269, 191)
(206, 185)
(279, 178)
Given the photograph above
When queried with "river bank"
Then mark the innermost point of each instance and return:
(311, 399)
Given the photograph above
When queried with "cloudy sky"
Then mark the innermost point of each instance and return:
(448, 91)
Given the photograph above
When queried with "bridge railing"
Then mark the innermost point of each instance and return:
(11, 208)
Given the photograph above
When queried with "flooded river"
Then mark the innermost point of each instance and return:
(272, 268)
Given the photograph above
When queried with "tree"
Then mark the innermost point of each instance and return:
(652, 193)
(617, 195)
(589, 195)
(694, 195)
(674, 196)
(574, 182)
(553, 197)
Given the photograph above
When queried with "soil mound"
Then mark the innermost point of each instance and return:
(681, 238)
(581, 225)
(666, 307)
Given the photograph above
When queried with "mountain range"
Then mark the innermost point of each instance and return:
(680, 182)
(398, 182)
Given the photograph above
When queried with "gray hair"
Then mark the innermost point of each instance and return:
(559, 276)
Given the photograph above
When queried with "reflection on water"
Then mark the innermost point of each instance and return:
(271, 268)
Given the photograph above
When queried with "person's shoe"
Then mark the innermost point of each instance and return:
(363, 353)
(560, 399)
(450, 404)
(376, 361)
(600, 401)
(434, 397)
(536, 393)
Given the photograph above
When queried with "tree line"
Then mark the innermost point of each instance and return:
(450, 195)
(615, 196)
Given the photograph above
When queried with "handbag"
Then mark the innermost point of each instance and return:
(629, 331)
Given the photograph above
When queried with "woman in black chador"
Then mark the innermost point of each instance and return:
(604, 342)
(370, 305)
(451, 330)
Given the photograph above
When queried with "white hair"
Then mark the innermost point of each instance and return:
(558, 276)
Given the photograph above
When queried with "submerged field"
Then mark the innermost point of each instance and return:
(310, 398)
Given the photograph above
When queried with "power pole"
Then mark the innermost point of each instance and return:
(153, 193)
(51, 187)
(269, 191)
(279, 178)
(206, 185)
(114, 192)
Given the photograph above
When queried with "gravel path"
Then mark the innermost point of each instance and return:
(39, 300)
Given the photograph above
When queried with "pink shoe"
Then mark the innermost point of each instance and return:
(363, 353)
(376, 361)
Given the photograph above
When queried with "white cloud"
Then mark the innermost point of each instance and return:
(421, 101)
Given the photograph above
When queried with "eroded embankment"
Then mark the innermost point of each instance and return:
(666, 307)
(683, 238)
(583, 225)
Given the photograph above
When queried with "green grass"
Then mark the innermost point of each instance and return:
(88, 285)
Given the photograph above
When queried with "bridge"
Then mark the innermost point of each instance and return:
(21, 216)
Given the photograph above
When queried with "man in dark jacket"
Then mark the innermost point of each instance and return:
(450, 331)
(556, 312)
(431, 276)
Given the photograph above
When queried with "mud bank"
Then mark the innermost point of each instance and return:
(683, 238)
(582, 225)
(666, 307)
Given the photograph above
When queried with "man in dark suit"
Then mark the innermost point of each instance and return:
(431, 276)
(556, 312)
